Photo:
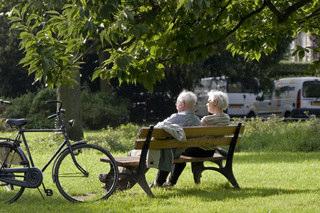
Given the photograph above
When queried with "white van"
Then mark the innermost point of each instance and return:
(297, 97)
(241, 94)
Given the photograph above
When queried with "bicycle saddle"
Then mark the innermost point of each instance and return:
(17, 122)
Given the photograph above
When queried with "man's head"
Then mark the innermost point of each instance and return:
(186, 101)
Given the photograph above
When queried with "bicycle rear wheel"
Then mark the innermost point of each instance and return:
(10, 157)
(82, 183)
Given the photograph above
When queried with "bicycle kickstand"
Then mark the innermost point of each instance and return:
(48, 192)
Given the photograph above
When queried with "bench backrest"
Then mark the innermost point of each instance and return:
(197, 136)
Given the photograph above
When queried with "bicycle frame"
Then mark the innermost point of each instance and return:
(66, 143)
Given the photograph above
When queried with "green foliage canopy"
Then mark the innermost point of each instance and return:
(140, 38)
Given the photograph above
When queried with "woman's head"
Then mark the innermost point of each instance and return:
(186, 101)
(217, 101)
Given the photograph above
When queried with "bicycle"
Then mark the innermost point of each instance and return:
(76, 168)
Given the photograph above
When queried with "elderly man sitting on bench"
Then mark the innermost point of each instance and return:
(185, 116)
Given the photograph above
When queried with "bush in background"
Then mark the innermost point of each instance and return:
(103, 109)
(272, 134)
(40, 110)
(2, 124)
(20, 106)
(118, 139)
(32, 106)
(98, 109)
(276, 135)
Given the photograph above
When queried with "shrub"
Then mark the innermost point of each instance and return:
(32, 107)
(2, 124)
(98, 109)
(20, 106)
(270, 135)
(39, 110)
(276, 135)
(118, 139)
(103, 109)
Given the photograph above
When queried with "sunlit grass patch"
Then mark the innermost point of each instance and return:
(277, 182)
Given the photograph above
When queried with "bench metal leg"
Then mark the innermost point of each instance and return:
(144, 185)
(197, 168)
(227, 173)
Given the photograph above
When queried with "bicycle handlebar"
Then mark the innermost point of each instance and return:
(4, 102)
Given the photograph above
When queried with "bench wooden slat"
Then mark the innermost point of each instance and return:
(186, 159)
(134, 161)
(124, 161)
(191, 132)
(193, 142)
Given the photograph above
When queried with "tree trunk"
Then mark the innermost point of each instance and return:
(70, 98)
(104, 85)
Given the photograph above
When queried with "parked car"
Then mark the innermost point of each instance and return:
(296, 97)
(241, 94)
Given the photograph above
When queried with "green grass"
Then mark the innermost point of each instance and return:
(276, 182)
(271, 178)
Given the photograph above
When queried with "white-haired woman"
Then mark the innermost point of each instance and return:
(217, 103)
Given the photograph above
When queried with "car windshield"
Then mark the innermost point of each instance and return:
(311, 89)
(243, 86)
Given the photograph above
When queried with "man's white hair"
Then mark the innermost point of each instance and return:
(189, 98)
(220, 97)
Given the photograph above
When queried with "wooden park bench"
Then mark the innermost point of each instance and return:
(199, 136)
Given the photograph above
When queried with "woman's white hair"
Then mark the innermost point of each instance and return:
(220, 97)
(189, 98)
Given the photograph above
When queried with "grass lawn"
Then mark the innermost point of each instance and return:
(270, 182)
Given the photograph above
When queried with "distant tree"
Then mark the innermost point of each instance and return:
(14, 80)
(239, 68)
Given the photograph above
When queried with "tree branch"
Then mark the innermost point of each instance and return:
(312, 15)
(283, 16)
(242, 20)
(293, 8)
(273, 9)
(222, 10)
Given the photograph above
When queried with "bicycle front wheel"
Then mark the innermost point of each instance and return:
(10, 157)
(86, 177)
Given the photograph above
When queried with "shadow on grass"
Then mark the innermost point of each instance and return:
(271, 157)
(32, 201)
(224, 191)
(220, 192)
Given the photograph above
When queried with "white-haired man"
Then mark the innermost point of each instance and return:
(185, 116)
